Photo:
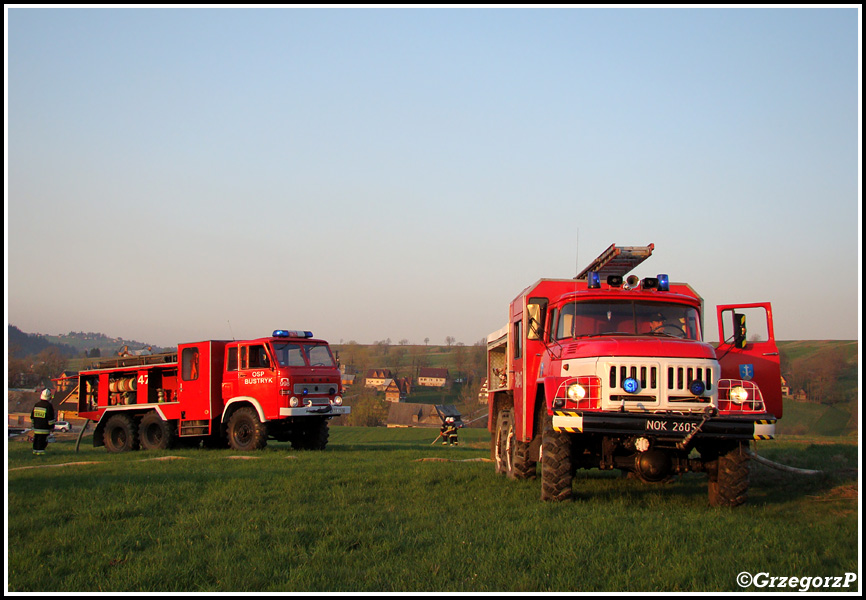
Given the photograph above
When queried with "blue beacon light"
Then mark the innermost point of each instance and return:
(631, 385)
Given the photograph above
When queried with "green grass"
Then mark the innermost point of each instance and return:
(808, 418)
(370, 515)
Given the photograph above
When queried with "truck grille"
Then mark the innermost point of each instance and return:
(304, 389)
(659, 381)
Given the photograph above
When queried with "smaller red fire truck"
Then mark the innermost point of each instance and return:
(235, 393)
(611, 372)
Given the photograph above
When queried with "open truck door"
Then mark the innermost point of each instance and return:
(747, 350)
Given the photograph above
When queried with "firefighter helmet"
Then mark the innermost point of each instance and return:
(46, 394)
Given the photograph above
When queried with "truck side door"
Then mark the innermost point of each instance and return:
(195, 381)
(256, 377)
(747, 350)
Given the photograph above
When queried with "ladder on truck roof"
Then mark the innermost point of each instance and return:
(617, 260)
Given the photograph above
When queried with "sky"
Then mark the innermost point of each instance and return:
(180, 174)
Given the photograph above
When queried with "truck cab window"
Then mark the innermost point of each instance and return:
(518, 339)
(594, 318)
(536, 310)
(189, 367)
(319, 356)
(232, 359)
(288, 354)
(254, 357)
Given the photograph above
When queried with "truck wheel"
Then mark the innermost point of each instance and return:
(317, 435)
(245, 431)
(155, 433)
(520, 465)
(556, 467)
(120, 434)
(499, 445)
(730, 485)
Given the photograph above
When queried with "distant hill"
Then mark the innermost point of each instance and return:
(27, 344)
(72, 344)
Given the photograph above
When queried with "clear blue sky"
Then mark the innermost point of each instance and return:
(185, 174)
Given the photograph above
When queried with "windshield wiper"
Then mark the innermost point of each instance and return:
(606, 333)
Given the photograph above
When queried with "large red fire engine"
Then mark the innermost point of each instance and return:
(238, 393)
(607, 371)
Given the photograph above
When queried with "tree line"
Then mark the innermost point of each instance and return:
(826, 376)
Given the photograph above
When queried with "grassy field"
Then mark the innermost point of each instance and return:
(383, 510)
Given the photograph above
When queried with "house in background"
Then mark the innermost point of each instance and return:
(377, 378)
(398, 389)
(430, 377)
(392, 392)
(407, 414)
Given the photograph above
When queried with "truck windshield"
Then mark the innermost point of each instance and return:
(605, 317)
(290, 354)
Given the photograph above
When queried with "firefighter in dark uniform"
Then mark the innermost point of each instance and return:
(450, 431)
(42, 417)
(443, 432)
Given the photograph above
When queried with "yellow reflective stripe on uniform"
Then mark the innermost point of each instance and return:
(40, 413)
(45, 431)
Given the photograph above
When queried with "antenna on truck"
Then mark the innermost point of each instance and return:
(230, 329)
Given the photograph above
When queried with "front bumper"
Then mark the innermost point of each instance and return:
(665, 426)
(326, 410)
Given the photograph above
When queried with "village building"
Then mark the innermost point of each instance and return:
(430, 377)
(407, 414)
(398, 389)
(377, 378)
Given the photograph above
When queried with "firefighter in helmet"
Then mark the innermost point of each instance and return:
(43, 418)
(450, 431)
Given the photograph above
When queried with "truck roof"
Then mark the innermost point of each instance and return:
(561, 289)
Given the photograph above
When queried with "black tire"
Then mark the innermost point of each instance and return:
(729, 486)
(556, 463)
(499, 443)
(317, 434)
(520, 464)
(246, 432)
(155, 433)
(120, 434)
(313, 436)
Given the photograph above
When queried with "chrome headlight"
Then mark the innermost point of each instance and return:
(738, 394)
(576, 392)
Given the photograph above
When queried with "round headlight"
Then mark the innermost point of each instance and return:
(338, 400)
(294, 402)
(576, 392)
(738, 394)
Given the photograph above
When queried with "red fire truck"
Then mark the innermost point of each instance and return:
(608, 371)
(235, 393)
